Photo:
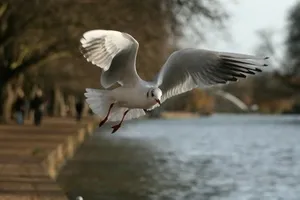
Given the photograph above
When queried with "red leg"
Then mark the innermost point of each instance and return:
(116, 127)
(105, 119)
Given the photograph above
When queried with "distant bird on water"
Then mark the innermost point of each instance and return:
(115, 53)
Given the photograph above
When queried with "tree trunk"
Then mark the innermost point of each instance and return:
(56, 101)
(59, 104)
(72, 105)
(8, 103)
(2, 95)
(85, 111)
(63, 107)
(51, 103)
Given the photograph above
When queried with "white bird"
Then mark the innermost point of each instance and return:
(115, 53)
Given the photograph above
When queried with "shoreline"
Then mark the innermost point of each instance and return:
(31, 157)
(178, 115)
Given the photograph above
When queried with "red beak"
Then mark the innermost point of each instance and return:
(158, 101)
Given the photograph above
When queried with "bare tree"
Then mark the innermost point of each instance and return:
(33, 33)
(39, 33)
(293, 39)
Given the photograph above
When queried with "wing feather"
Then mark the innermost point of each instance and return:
(114, 52)
(191, 68)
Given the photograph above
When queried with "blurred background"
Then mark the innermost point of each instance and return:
(40, 40)
(224, 154)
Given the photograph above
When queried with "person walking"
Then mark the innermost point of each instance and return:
(38, 107)
(79, 109)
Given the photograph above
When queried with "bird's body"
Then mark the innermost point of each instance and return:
(127, 97)
(115, 53)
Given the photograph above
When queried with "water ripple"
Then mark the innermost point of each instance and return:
(224, 157)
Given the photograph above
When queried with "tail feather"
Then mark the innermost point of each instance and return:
(100, 100)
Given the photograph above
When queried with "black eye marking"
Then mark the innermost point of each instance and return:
(152, 93)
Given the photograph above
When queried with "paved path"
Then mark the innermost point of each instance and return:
(30, 157)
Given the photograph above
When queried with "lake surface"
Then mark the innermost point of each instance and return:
(222, 157)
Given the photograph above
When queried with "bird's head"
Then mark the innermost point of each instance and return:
(155, 94)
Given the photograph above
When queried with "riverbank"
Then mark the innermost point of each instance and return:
(30, 157)
(177, 115)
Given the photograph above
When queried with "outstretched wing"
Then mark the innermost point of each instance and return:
(191, 68)
(114, 52)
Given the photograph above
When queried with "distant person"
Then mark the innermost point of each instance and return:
(79, 108)
(19, 108)
(38, 107)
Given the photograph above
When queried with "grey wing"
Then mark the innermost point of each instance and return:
(191, 68)
(114, 52)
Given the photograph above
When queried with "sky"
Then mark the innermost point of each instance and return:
(247, 17)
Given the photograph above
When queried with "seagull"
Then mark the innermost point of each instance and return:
(115, 53)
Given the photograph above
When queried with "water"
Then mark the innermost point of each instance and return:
(223, 157)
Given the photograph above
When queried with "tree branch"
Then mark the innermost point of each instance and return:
(35, 60)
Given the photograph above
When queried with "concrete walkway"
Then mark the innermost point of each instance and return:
(30, 157)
